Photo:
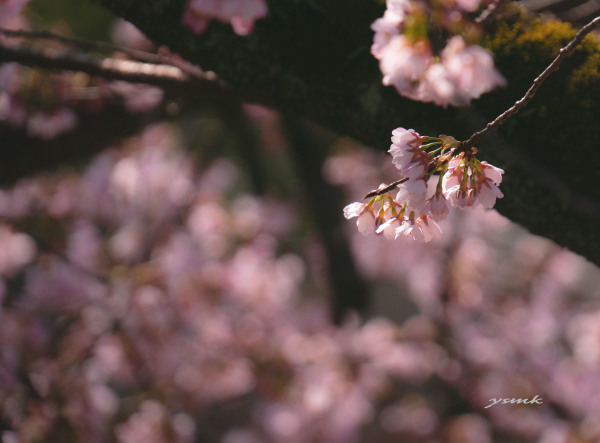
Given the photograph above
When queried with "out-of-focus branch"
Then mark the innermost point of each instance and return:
(188, 88)
(106, 48)
(324, 201)
(21, 155)
(86, 45)
(110, 68)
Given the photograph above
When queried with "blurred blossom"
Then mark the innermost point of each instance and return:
(10, 8)
(104, 400)
(49, 125)
(210, 225)
(11, 110)
(218, 178)
(40, 103)
(126, 34)
(9, 77)
(350, 167)
(453, 76)
(149, 424)
(137, 97)
(241, 436)
(469, 428)
(157, 179)
(127, 244)
(58, 286)
(584, 334)
(180, 260)
(83, 246)
(558, 433)
(414, 420)
(162, 304)
(283, 423)
(17, 250)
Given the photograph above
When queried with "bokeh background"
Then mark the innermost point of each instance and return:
(195, 281)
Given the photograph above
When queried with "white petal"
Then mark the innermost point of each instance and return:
(492, 172)
(366, 223)
(354, 209)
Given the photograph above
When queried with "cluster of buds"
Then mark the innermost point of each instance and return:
(424, 69)
(436, 174)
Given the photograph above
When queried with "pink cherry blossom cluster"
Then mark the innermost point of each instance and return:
(436, 175)
(240, 13)
(452, 76)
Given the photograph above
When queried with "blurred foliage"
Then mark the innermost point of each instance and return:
(84, 19)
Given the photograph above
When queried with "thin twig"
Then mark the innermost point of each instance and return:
(562, 54)
(388, 188)
(488, 14)
(112, 68)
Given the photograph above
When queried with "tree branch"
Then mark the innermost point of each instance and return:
(316, 62)
(520, 104)
(110, 68)
(385, 189)
(21, 156)
(349, 290)
(85, 45)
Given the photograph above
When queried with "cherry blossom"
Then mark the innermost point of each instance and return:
(438, 206)
(454, 75)
(403, 64)
(409, 231)
(435, 175)
(471, 183)
(429, 227)
(366, 216)
(388, 228)
(470, 68)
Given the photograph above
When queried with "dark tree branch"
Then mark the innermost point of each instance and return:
(86, 45)
(316, 62)
(385, 189)
(105, 48)
(324, 202)
(21, 156)
(110, 68)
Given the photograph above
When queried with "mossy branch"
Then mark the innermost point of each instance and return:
(524, 101)
(316, 62)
